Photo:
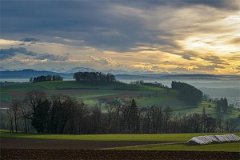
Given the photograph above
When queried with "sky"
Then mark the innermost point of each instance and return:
(147, 36)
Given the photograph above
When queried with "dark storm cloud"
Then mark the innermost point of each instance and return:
(89, 21)
(12, 52)
(77, 20)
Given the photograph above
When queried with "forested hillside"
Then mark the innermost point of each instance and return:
(155, 107)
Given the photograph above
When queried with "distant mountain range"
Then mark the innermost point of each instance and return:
(27, 73)
(120, 74)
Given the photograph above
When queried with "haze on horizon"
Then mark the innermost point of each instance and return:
(180, 36)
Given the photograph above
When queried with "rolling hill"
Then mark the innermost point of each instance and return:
(104, 93)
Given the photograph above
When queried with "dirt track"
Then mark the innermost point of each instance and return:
(25, 149)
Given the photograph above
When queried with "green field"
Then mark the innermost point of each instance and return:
(178, 137)
(75, 89)
(160, 140)
(109, 137)
(226, 147)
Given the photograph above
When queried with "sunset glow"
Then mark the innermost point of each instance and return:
(173, 37)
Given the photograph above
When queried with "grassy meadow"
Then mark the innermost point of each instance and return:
(225, 147)
(166, 142)
(108, 137)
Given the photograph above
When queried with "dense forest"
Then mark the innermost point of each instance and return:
(94, 76)
(46, 78)
(188, 93)
(63, 114)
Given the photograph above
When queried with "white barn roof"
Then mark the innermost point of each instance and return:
(214, 139)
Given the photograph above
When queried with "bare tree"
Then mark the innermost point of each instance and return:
(16, 112)
(26, 116)
(33, 98)
(10, 119)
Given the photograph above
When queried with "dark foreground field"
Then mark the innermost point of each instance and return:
(15, 143)
(41, 154)
(39, 149)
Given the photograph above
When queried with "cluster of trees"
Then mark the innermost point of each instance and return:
(155, 84)
(63, 114)
(188, 93)
(46, 78)
(94, 76)
(57, 114)
(222, 105)
(221, 109)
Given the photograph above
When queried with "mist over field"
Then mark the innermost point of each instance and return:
(215, 88)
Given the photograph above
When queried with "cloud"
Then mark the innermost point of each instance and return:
(221, 4)
(224, 4)
(208, 67)
(187, 57)
(102, 60)
(238, 68)
(235, 41)
(134, 35)
(12, 52)
(33, 40)
(199, 69)
(214, 59)
(114, 25)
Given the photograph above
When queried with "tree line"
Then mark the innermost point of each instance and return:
(94, 76)
(46, 78)
(61, 114)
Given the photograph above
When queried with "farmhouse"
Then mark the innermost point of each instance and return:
(214, 139)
